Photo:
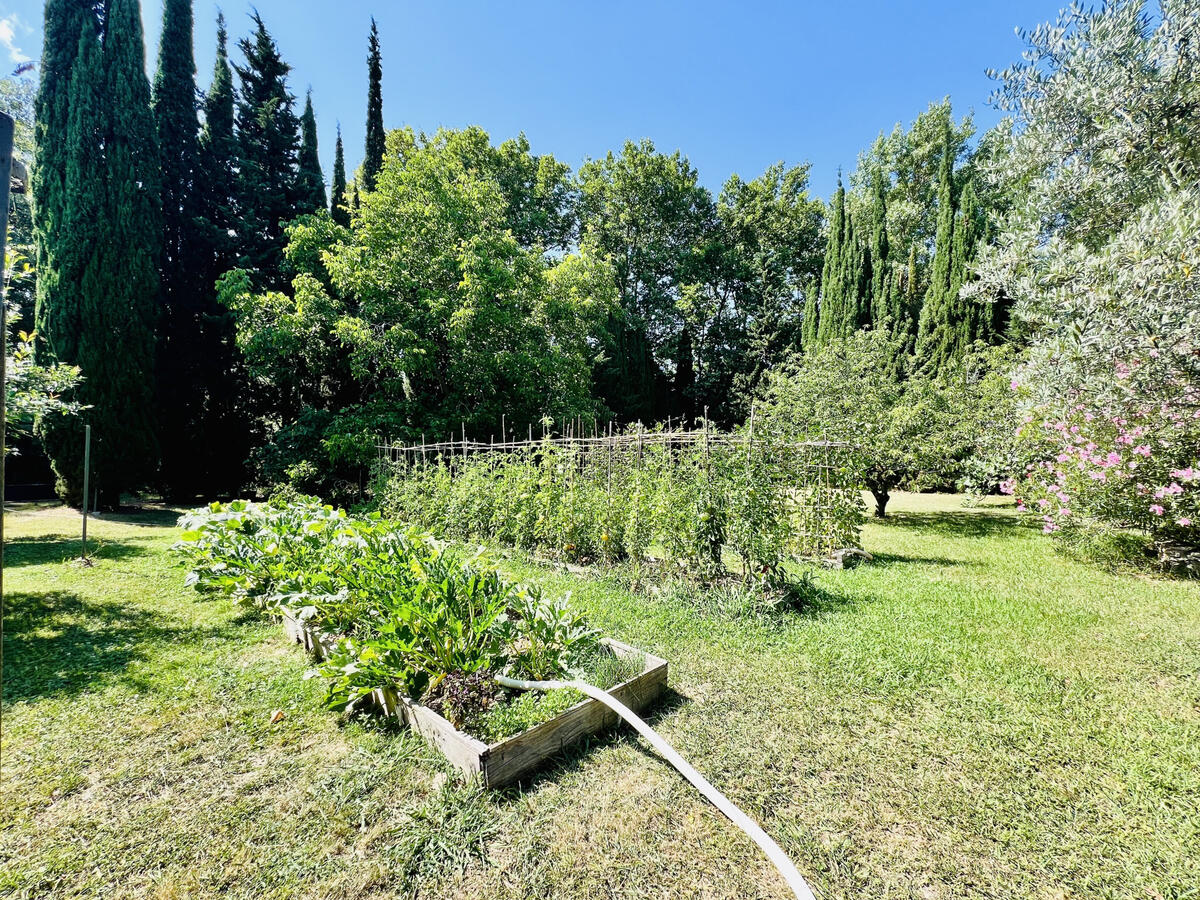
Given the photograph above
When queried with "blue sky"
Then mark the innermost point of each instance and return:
(735, 86)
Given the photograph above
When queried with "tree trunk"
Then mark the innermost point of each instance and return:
(881, 501)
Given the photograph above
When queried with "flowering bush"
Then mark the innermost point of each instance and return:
(1134, 468)
(1100, 254)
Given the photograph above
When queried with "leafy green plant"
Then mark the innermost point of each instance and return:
(404, 611)
(544, 637)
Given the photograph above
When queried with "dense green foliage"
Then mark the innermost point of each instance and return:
(338, 210)
(103, 261)
(69, 28)
(1101, 252)
(421, 317)
(184, 370)
(916, 430)
(268, 132)
(692, 500)
(402, 611)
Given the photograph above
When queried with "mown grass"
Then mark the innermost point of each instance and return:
(970, 716)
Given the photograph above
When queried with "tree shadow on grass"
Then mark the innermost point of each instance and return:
(58, 644)
(968, 523)
(889, 559)
(146, 516)
(40, 549)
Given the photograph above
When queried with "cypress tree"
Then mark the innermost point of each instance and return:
(181, 351)
(831, 280)
(373, 158)
(218, 162)
(969, 320)
(311, 187)
(859, 279)
(105, 325)
(337, 200)
(66, 23)
(268, 157)
(933, 338)
(222, 439)
(880, 264)
(908, 303)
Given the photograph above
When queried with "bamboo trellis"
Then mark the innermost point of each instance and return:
(816, 473)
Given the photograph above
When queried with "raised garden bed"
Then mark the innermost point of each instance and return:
(505, 761)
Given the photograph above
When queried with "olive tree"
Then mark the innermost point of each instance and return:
(1101, 254)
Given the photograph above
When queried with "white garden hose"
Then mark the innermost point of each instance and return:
(794, 879)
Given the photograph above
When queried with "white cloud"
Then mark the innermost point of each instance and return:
(8, 37)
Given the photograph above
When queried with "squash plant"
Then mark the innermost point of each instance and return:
(405, 609)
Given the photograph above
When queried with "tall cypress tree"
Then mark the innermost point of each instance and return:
(933, 337)
(373, 158)
(268, 158)
(311, 186)
(908, 303)
(181, 351)
(831, 276)
(218, 163)
(105, 324)
(338, 210)
(880, 264)
(66, 23)
(970, 320)
(222, 442)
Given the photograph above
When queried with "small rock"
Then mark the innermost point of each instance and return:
(846, 558)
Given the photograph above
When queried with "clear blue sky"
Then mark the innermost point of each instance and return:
(735, 86)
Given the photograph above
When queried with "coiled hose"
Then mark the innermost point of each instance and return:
(789, 872)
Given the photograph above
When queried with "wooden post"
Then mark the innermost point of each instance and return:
(87, 464)
(750, 434)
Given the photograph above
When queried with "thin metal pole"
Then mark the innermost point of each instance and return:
(6, 140)
(87, 465)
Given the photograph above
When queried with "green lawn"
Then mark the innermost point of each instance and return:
(970, 716)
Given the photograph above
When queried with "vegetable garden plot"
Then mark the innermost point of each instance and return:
(401, 622)
(695, 497)
(501, 762)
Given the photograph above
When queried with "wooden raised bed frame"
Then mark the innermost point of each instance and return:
(503, 762)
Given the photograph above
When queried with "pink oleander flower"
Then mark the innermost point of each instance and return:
(1185, 522)
(1142, 450)
(1156, 509)
(1188, 474)
(1043, 503)
(1007, 486)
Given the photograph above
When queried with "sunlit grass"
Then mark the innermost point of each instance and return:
(969, 716)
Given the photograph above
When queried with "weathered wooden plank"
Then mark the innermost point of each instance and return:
(507, 760)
